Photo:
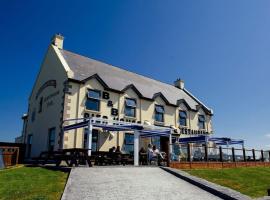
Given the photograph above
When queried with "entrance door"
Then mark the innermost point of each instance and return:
(164, 146)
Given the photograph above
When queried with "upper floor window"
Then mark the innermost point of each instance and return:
(130, 107)
(93, 100)
(183, 118)
(40, 105)
(33, 115)
(51, 139)
(201, 120)
(159, 113)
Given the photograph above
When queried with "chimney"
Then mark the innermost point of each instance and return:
(179, 83)
(58, 40)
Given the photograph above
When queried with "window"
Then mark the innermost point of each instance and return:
(201, 120)
(155, 141)
(94, 139)
(29, 145)
(159, 113)
(130, 107)
(33, 116)
(51, 139)
(40, 105)
(183, 118)
(129, 143)
(93, 100)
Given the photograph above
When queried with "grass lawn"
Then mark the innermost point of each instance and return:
(31, 183)
(252, 181)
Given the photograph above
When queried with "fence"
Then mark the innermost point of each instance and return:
(190, 153)
(10, 155)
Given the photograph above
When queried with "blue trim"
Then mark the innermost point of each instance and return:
(77, 125)
(204, 139)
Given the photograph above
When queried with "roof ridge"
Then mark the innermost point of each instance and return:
(120, 68)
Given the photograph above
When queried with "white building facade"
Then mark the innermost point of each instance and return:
(73, 86)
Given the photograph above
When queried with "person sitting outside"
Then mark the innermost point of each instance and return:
(111, 150)
(117, 155)
(118, 150)
(157, 155)
(143, 156)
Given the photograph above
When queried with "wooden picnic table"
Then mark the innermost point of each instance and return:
(75, 156)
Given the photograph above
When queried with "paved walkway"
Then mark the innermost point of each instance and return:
(125, 183)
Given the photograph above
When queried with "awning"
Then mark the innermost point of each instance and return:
(216, 140)
(104, 126)
(152, 133)
(144, 130)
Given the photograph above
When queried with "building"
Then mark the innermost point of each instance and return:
(69, 85)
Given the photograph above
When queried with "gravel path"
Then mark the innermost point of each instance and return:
(124, 183)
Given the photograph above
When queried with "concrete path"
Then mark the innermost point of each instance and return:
(124, 183)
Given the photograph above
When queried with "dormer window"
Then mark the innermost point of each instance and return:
(159, 113)
(130, 107)
(182, 118)
(93, 100)
(201, 120)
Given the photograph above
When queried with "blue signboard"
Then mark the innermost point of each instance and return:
(2, 165)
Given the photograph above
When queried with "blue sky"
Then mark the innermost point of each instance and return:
(220, 48)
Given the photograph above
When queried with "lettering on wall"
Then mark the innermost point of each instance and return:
(105, 95)
(49, 99)
(114, 111)
(45, 85)
(110, 103)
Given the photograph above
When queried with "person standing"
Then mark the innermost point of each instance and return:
(149, 153)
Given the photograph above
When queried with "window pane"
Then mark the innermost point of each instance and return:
(201, 125)
(155, 140)
(129, 111)
(129, 143)
(159, 117)
(129, 138)
(183, 114)
(94, 139)
(201, 118)
(30, 139)
(92, 104)
(183, 121)
(131, 102)
(94, 94)
(160, 109)
(51, 139)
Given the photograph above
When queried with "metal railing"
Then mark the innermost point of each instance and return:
(204, 153)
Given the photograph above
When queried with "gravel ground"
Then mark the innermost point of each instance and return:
(124, 183)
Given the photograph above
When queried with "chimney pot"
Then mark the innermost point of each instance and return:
(179, 83)
(58, 40)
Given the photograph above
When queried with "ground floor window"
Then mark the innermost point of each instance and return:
(156, 141)
(94, 139)
(29, 145)
(129, 143)
(51, 139)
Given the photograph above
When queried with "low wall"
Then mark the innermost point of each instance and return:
(206, 165)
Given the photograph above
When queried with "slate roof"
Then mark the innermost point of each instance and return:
(119, 79)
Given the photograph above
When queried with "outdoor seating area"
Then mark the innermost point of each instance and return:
(77, 156)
